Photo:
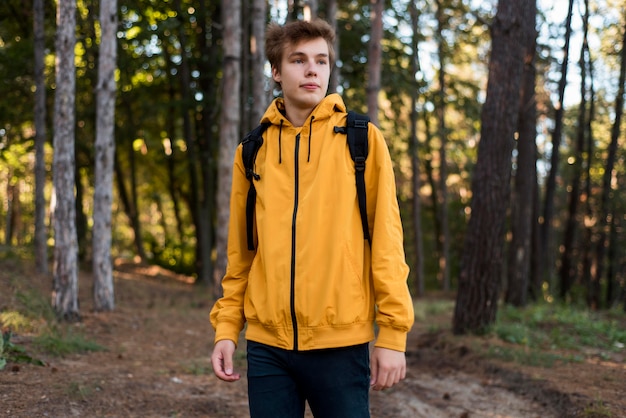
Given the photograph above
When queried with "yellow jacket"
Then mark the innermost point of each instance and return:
(314, 282)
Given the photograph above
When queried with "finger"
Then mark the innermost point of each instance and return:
(382, 377)
(373, 371)
(220, 368)
(228, 365)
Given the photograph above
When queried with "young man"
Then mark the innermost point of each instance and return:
(313, 287)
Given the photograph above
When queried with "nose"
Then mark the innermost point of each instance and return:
(311, 69)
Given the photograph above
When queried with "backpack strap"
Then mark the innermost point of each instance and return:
(250, 147)
(358, 144)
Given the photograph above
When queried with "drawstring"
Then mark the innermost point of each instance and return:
(280, 143)
(308, 158)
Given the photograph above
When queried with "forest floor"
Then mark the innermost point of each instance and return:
(155, 363)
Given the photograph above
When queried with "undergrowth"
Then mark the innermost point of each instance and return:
(541, 334)
(27, 314)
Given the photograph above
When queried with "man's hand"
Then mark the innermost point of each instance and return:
(222, 361)
(387, 367)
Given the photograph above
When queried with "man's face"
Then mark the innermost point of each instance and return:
(304, 74)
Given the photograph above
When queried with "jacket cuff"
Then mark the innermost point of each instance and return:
(227, 331)
(391, 338)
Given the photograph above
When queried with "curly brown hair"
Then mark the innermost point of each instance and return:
(278, 37)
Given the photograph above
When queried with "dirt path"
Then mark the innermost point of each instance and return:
(156, 365)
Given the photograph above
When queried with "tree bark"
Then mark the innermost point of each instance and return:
(257, 51)
(568, 269)
(548, 209)
(419, 284)
(41, 231)
(374, 58)
(331, 17)
(522, 220)
(442, 196)
(103, 291)
(65, 268)
(229, 132)
(604, 217)
(481, 262)
(200, 220)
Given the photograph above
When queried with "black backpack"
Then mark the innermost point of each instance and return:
(356, 132)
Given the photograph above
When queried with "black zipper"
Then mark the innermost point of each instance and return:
(294, 321)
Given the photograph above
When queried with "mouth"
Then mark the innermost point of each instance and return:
(310, 86)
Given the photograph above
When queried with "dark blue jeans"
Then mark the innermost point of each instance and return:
(335, 382)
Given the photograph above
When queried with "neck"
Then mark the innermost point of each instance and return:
(297, 117)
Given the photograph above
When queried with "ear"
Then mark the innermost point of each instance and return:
(276, 74)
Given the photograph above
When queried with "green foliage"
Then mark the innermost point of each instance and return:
(18, 322)
(559, 327)
(597, 409)
(62, 343)
(540, 335)
(10, 352)
(28, 312)
(426, 309)
(535, 358)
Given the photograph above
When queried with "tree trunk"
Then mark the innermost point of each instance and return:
(41, 232)
(557, 133)
(103, 292)
(442, 195)
(589, 240)
(374, 58)
(569, 268)
(206, 141)
(130, 204)
(81, 217)
(198, 215)
(65, 269)
(259, 96)
(331, 17)
(9, 225)
(607, 180)
(418, 273)
(481, 263)
(522, 219)
(612, 261)
(170, 149)
(229, 132)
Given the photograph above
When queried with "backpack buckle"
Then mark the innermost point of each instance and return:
(359, 163)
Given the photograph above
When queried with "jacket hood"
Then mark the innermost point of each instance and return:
(275, 113)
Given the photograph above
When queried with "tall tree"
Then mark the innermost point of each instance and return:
(65, 268)
(481, 263)
(593, 297)
(104, 299)
(331, 17)
(419, 284)
(257, 44)
(229, 129)
(200, 218)
(41, 231)
(568, 266)
(206, 137)
(442, 195)
(548, 209)
(374, 58)
(522, 220)
(587, 243)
